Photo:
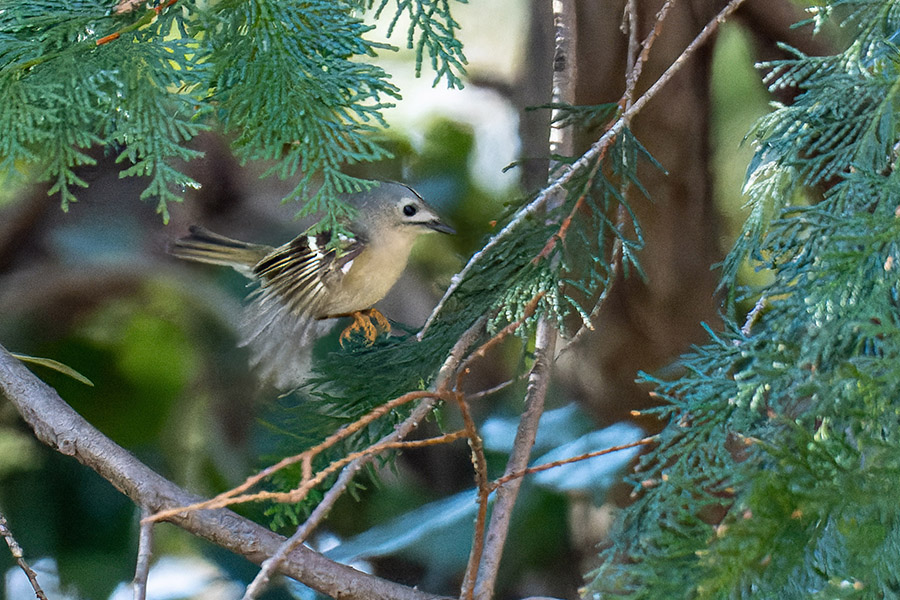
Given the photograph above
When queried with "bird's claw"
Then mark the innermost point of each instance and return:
(370, 323)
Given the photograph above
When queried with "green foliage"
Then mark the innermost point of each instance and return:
(432, 22)
(774, 477)
(288, 79)
(842, 118)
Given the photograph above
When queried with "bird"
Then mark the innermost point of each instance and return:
(320, 275)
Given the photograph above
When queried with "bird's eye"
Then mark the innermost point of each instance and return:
(409, 210)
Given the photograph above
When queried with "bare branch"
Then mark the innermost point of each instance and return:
(16, 550)
(573, 459)
(479, 463)
(57, 425)
(484, 393)
(145, 551)
(636, 61)
(538, 380)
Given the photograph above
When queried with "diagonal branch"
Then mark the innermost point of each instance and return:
(56, 424)
(567, 172)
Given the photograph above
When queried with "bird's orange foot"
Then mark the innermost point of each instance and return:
(370, 323)
(381, 322)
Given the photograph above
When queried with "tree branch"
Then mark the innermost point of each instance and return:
(56, 424)
(16, 550)
(538, 380)
(479, 464)
(145, 552)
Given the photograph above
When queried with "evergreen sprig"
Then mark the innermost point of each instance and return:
(843, 118)
(288, 78)
(774, 475)
(283, 80)
(432, 31)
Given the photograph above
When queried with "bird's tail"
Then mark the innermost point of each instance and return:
(202, 245)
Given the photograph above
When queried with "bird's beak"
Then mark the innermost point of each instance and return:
(437, 225)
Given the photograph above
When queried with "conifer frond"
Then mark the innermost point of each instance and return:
(843, 119)
(431, 31)
(152, 124)
(774, 475)
(284, 76)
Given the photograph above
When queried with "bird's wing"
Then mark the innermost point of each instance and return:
(300, 274)
(281, 323)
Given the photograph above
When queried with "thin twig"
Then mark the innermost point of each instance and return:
(481, 351)
(270, 565)
(586, 159)
(235, 495)
(630, 28)
(300, 493)
(688, 52)
(16, 550)
(479, 463)
(148, 18)
(633, 73)
(307, 484)
(566, 461)
(145, 551)
(753, 315)
(490, 391)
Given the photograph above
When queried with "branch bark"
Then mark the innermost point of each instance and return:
(561, 142)
(501, 516)
(56, 424)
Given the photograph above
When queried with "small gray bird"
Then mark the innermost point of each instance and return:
(313, 277)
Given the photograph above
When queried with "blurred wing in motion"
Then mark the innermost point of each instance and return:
(281, 323)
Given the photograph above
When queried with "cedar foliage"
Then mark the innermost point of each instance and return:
(289, 79)
(775, 476)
